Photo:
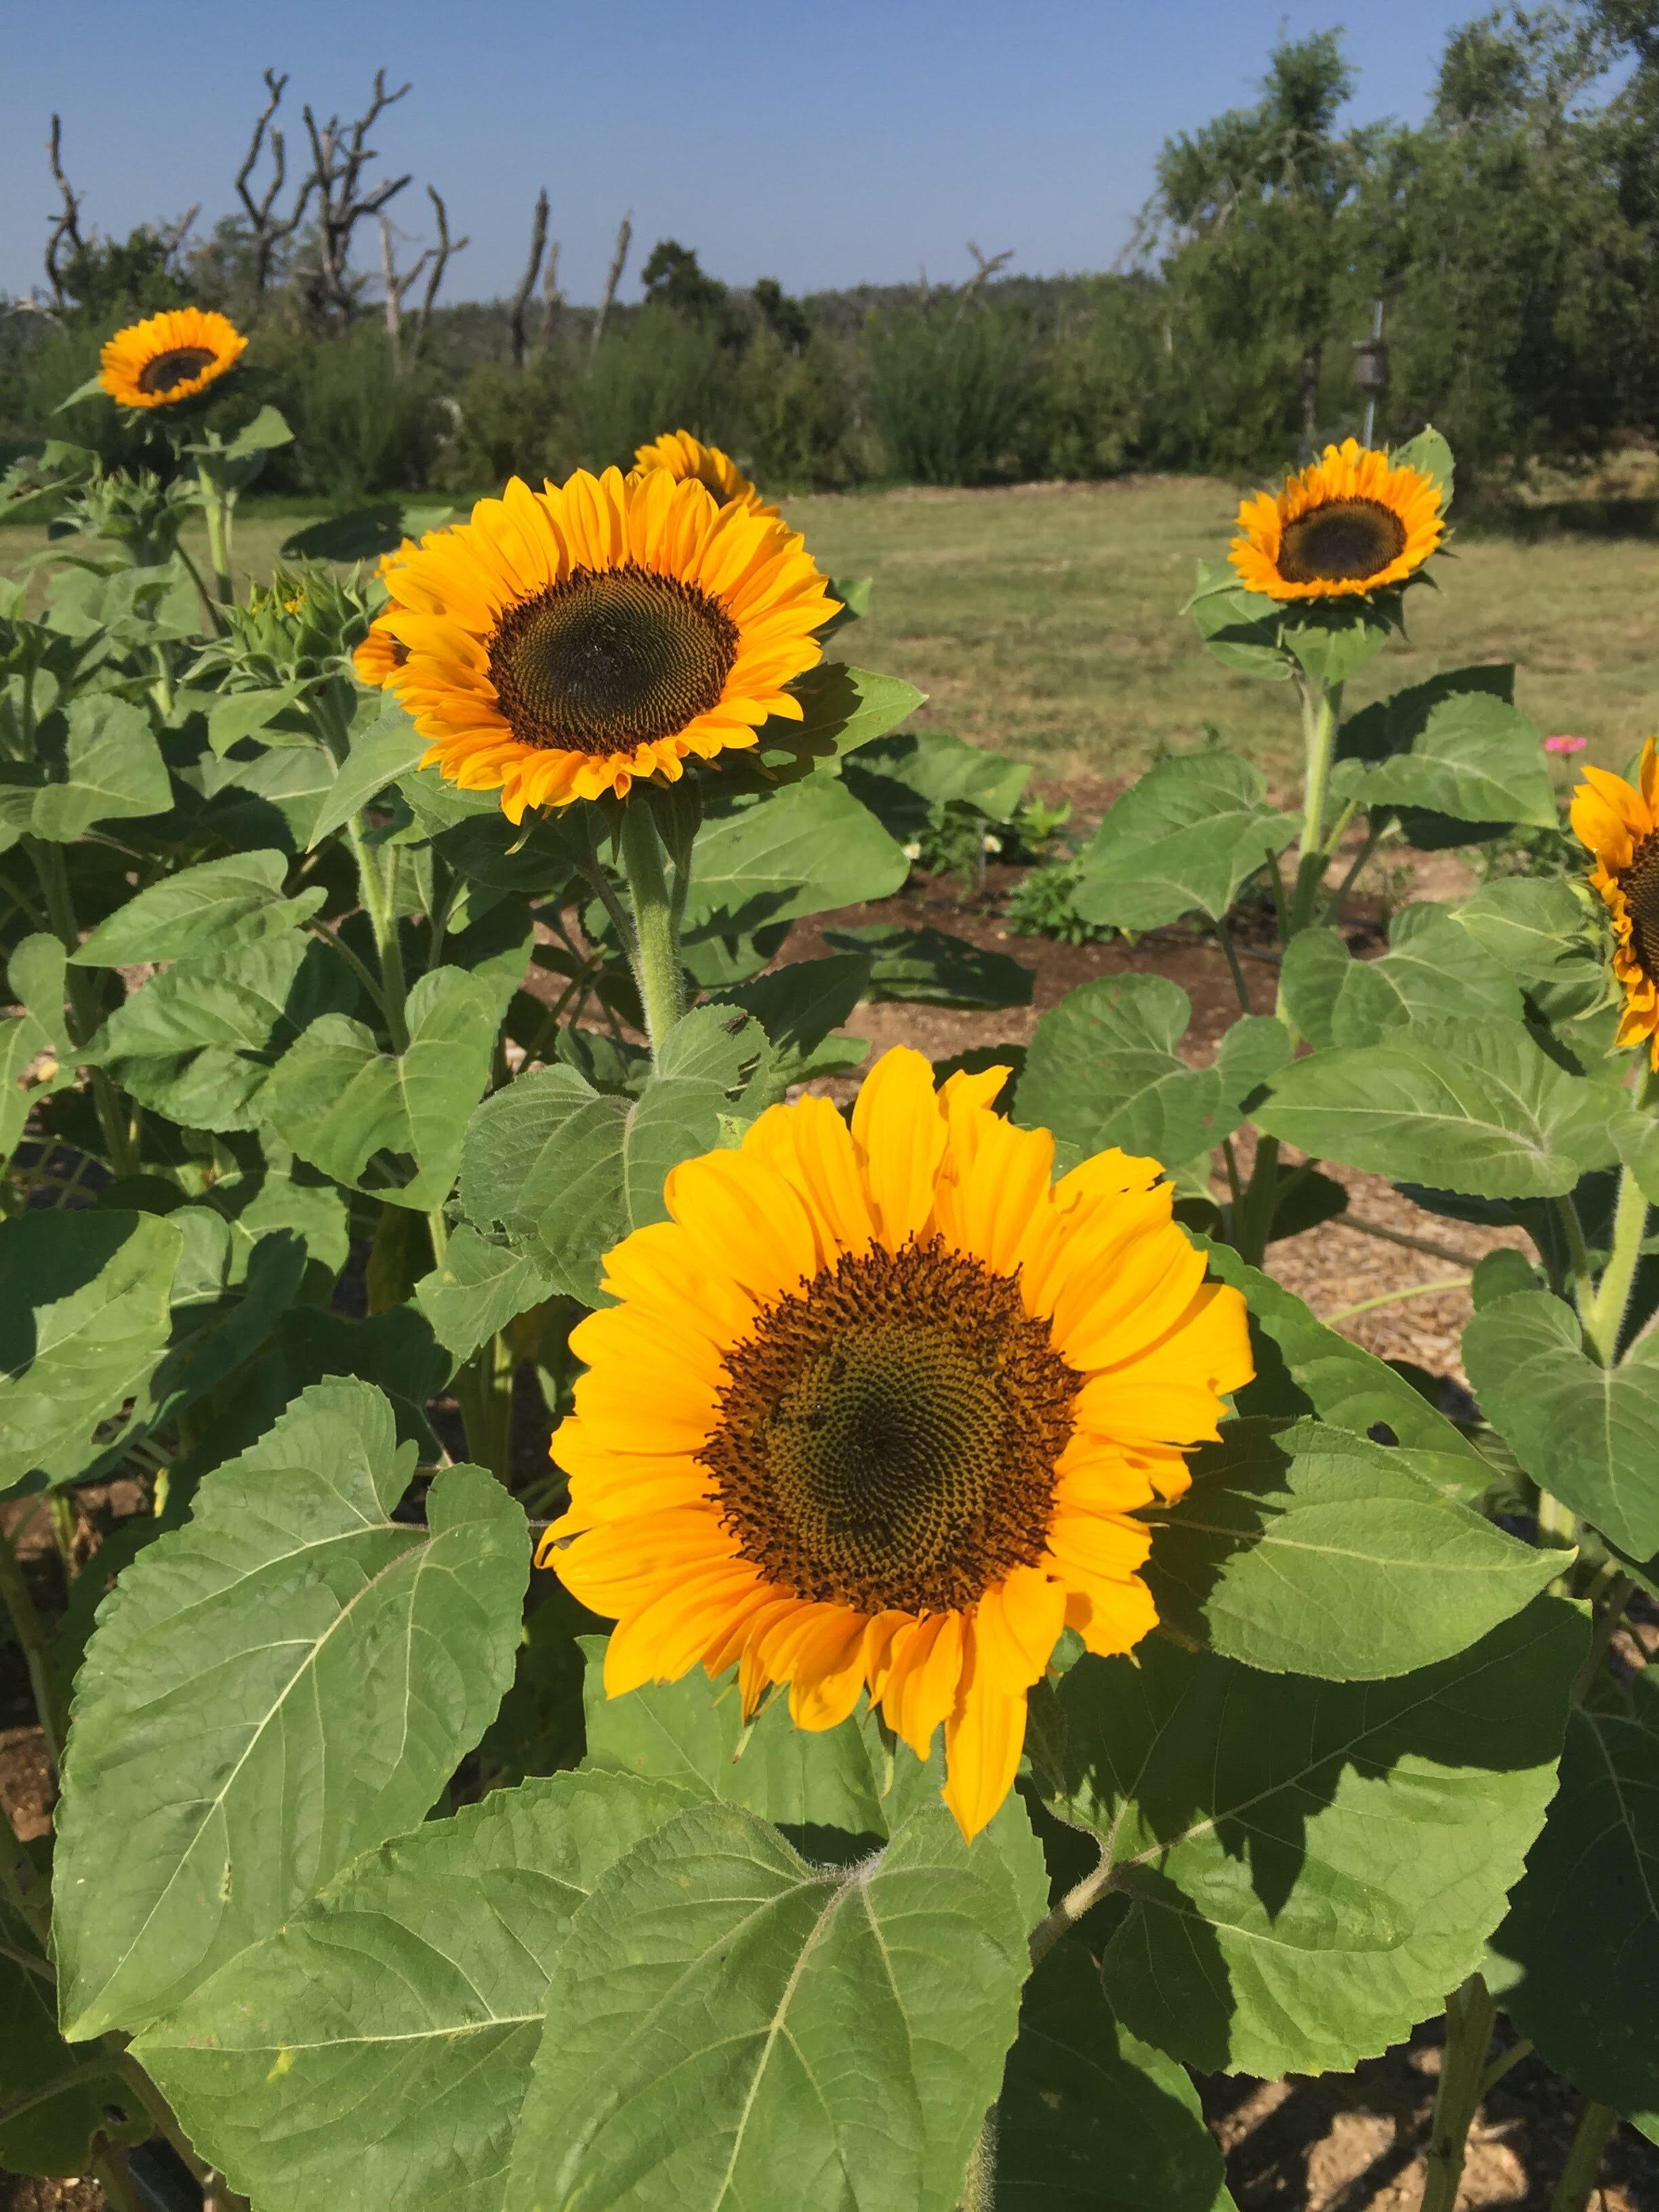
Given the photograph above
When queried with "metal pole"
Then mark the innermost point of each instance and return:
(1370, 404)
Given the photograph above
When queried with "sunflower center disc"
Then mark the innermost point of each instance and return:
(1344, 541)
(609, 658)
(1639, 882)
(178, 366)
(889, 1433)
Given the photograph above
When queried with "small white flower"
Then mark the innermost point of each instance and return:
(913, 852)
(992, 844)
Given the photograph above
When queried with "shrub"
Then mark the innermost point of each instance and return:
(946, 387)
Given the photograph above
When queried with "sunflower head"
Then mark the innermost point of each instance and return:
(881, 1408)
(566, 642)
(1351, 522)
(169, 358)
(1620, 823)
(683, 456)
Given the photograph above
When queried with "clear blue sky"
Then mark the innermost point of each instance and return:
(821, 144)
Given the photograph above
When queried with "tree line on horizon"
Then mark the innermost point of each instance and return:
(1512, 241)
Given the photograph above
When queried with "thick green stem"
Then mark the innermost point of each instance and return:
(216, 510)
(1322, 710)
(1603, 1312)
(655, 951)
(1252, 1222)
(1595, 2126)
(1470, 2014)
(1609, 1619)
(1579, 1273)
(379, 899)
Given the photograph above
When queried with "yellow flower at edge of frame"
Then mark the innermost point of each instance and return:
(1620, 823)
(881, 1409)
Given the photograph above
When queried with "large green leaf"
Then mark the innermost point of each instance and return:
(390, 747)
(1313, 1551)
(1303, 1367)
(569, 1171)
(1467, 754)
(83, 1320)
(198, 1041)
(1430, 972)
(277, 1686)
(1091, 2119)
(738, 2027)
(1541, 930)
(1587, 1433)
(800, 1006)
(1580, 1949)
(478, 1287)
(373, 2053)
(35, 1054)
(339, 1100)
(902, 779)
(103, 764)
(1476, 1106)
(1181, 841)
(832, 1789)
(799, 851)
(1103, 1068)
(1309, 1867)
(201, 909)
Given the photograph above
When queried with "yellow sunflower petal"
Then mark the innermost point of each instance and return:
(1351, 522)
(984, 1736)
(901, 1134)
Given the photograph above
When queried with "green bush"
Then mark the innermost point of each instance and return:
(947, 385)
(363, 420)
(660, 371)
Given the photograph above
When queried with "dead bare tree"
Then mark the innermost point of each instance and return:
(618, 262)
(550, 301)
(445, 247)
(269, 228)
(65, 226)
(521, 298)
(397, 285)
(339, 154)
(985, 267)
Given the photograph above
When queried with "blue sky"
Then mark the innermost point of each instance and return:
(823, 145)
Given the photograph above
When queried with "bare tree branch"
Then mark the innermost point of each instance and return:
(397, 285)
(339, 155)
(985, 267)
(515, 330)
(65, 226)
(269, 228)
(618, 262)
(446, 247)
(550, 297)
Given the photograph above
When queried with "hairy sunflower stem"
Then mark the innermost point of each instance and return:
(216, 509)
(1580, 1274)
(1609, 1617)
(1590, 2138)
(1470, 2014)
(1500, 2067)
(1393, 1297)
(655, 950)
(31, 1633)
(377, 895)
(1225, 939)
(1071, 1909)
(1603, 1312)
(1252, 1225)
(1321, 709)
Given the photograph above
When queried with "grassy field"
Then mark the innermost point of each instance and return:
(1048, 621)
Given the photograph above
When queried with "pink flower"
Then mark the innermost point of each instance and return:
(1565, 745)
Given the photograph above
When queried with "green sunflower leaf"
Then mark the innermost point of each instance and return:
(1309, 1550)
(1583, 1432)
(799, 851)
(274, 1687)
(102, 764)
(1575, 1965)
(1303, 1368)
(84, 1306)
(1475, 1105)
(199, 910)
(1183, 839)
(54, 2100)
(389, 748)
(376, 2049)
(740, 2026)
(1306, 1867)
(1430, 972)
(1104, 1068)
(1465, 754)
(1091, 2119)
(478, 1287)
(933, 968)
(391, 1124)
(902, 779)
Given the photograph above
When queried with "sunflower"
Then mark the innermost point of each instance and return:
(379, 659)
(564, 643)
(1620, 822)
(1353, 521)
(881, 1408)
(169, 358)
(683, 456)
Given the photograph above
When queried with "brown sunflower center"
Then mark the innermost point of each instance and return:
(174, 368)
(890, 1432)
(1343, 541)
(609, 658)
(1639, 882)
